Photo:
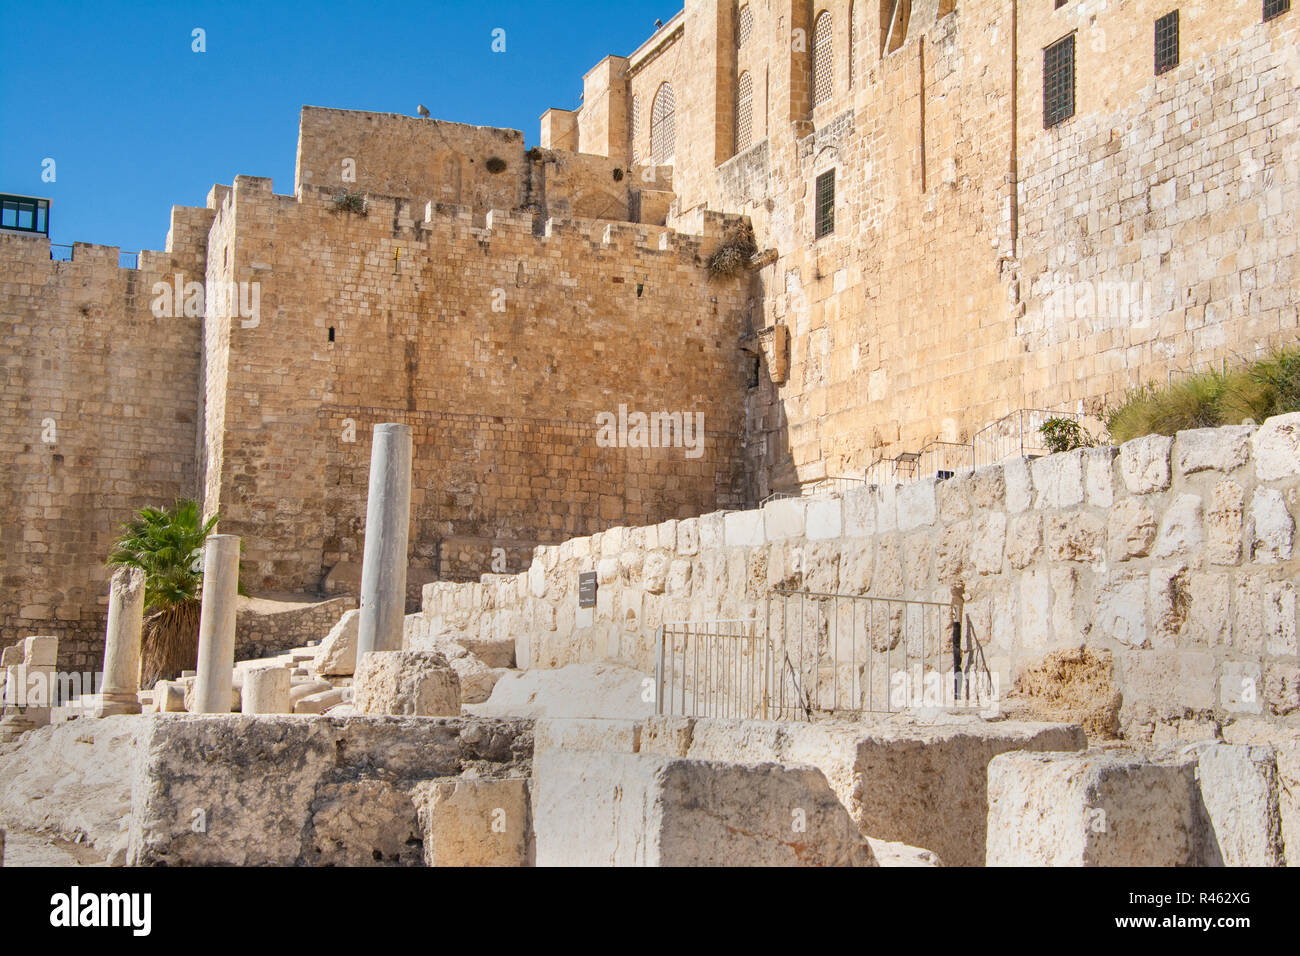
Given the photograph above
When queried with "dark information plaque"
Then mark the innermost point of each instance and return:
(587, 589)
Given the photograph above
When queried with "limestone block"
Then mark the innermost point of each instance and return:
(284, 791)
(1144, 464)
(989, 543)
(1241, 687)
(1181, 529)
(916, 505)
(1058, 480)
(496, 650)
(900, 854)
(187, 684)
(1034, 620)
(1075, 536)
(859, 512)
(654, 572)
(266, 691)
(1276, 446)
(1224, 524)
(320, 702)
(744, 529)
(824, 519)
(1019, 486)
(1131, 530)
(596, 808)
(1280, 619)
(1121, 613)
(679, 578)
(1212, 449)
(783, 519)
(1099, 475)
(688, 537)
(476, 678)
(1164, 683)
(337, 654)
(41, 651)
(169, 697)
(588, 690)
(988, 488)
(1282, 688)
(1100, 808)
(1273, 527)
(1239, 788)
(305, 688)
(1024, 539)
(1288, 771)
(12, 655)
(476, 822)
(406, 683)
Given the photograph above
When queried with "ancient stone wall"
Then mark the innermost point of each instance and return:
(1175, 556)
(980, 263)
(98, 412)
(498, 338)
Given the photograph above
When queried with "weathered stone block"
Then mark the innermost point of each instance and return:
(1212, 449)
(1131, 531)
(266, 691)
(824, 519)
(1273, 527)
(744, 529)
(1239, 788)
(41, 651)
(1144, 464)
(475, 822)
(406, 683)
(600, 809)
(1181, 529)
(1276, 446)
(337, 655)
(1058, 480)
(783, 519)
(1104, 808)
(916, 505)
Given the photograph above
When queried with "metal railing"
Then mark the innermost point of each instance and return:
(61, 252)
(819, 488)
(711, 669)
(1016, 435)
(823, 655)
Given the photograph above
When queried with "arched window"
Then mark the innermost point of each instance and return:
(823, 60)
(662, 137)
(744, 112)
(636, 128)
(744, 26)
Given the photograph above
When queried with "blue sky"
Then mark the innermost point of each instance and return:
(136, 122)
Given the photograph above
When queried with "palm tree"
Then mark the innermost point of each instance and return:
(167, 546)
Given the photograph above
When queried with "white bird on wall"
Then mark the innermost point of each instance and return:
(423, 110)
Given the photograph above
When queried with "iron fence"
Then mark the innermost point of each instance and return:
(821, 487)
(1017, 435)
(820, 654)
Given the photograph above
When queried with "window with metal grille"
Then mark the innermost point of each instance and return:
(825, 204)
(1167, 43)
(636, 128)
(662, 137)
(823, 60)
(744, 26)
(1275, 8)
(1058, 82)
(744, 112)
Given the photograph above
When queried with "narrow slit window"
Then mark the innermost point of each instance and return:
(1167, 43)
(1058, 82)
(825, 204)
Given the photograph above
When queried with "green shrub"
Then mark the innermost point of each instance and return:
(1064, 434)
(350, 202)
(1209, 399)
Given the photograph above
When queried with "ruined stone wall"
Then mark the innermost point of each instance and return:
(933, 308)
(98, 412)
(498, 343)
(1177, 557)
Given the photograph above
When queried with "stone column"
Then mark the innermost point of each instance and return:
(214, 685)
(266, 691)
(388, 519)
(121, 683)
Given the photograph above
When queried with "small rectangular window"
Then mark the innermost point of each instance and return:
(1058, 82)
(825, 204)
(1167, 43)
(25, 215)
(1275, 8)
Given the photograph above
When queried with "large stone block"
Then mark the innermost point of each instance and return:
(744, 529)
(266, 691)
(406, 683)
(1212, 449)
(476, 822)
(783, 519)
(285, 791)
(1101, 808)
(1058, 480)
(1277, 448)
(1273, 527)
(903, 780)
(1241, 794)
(1144, 464)
(337, 655)
(596, 808)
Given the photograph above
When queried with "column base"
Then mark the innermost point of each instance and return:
(115, 705)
